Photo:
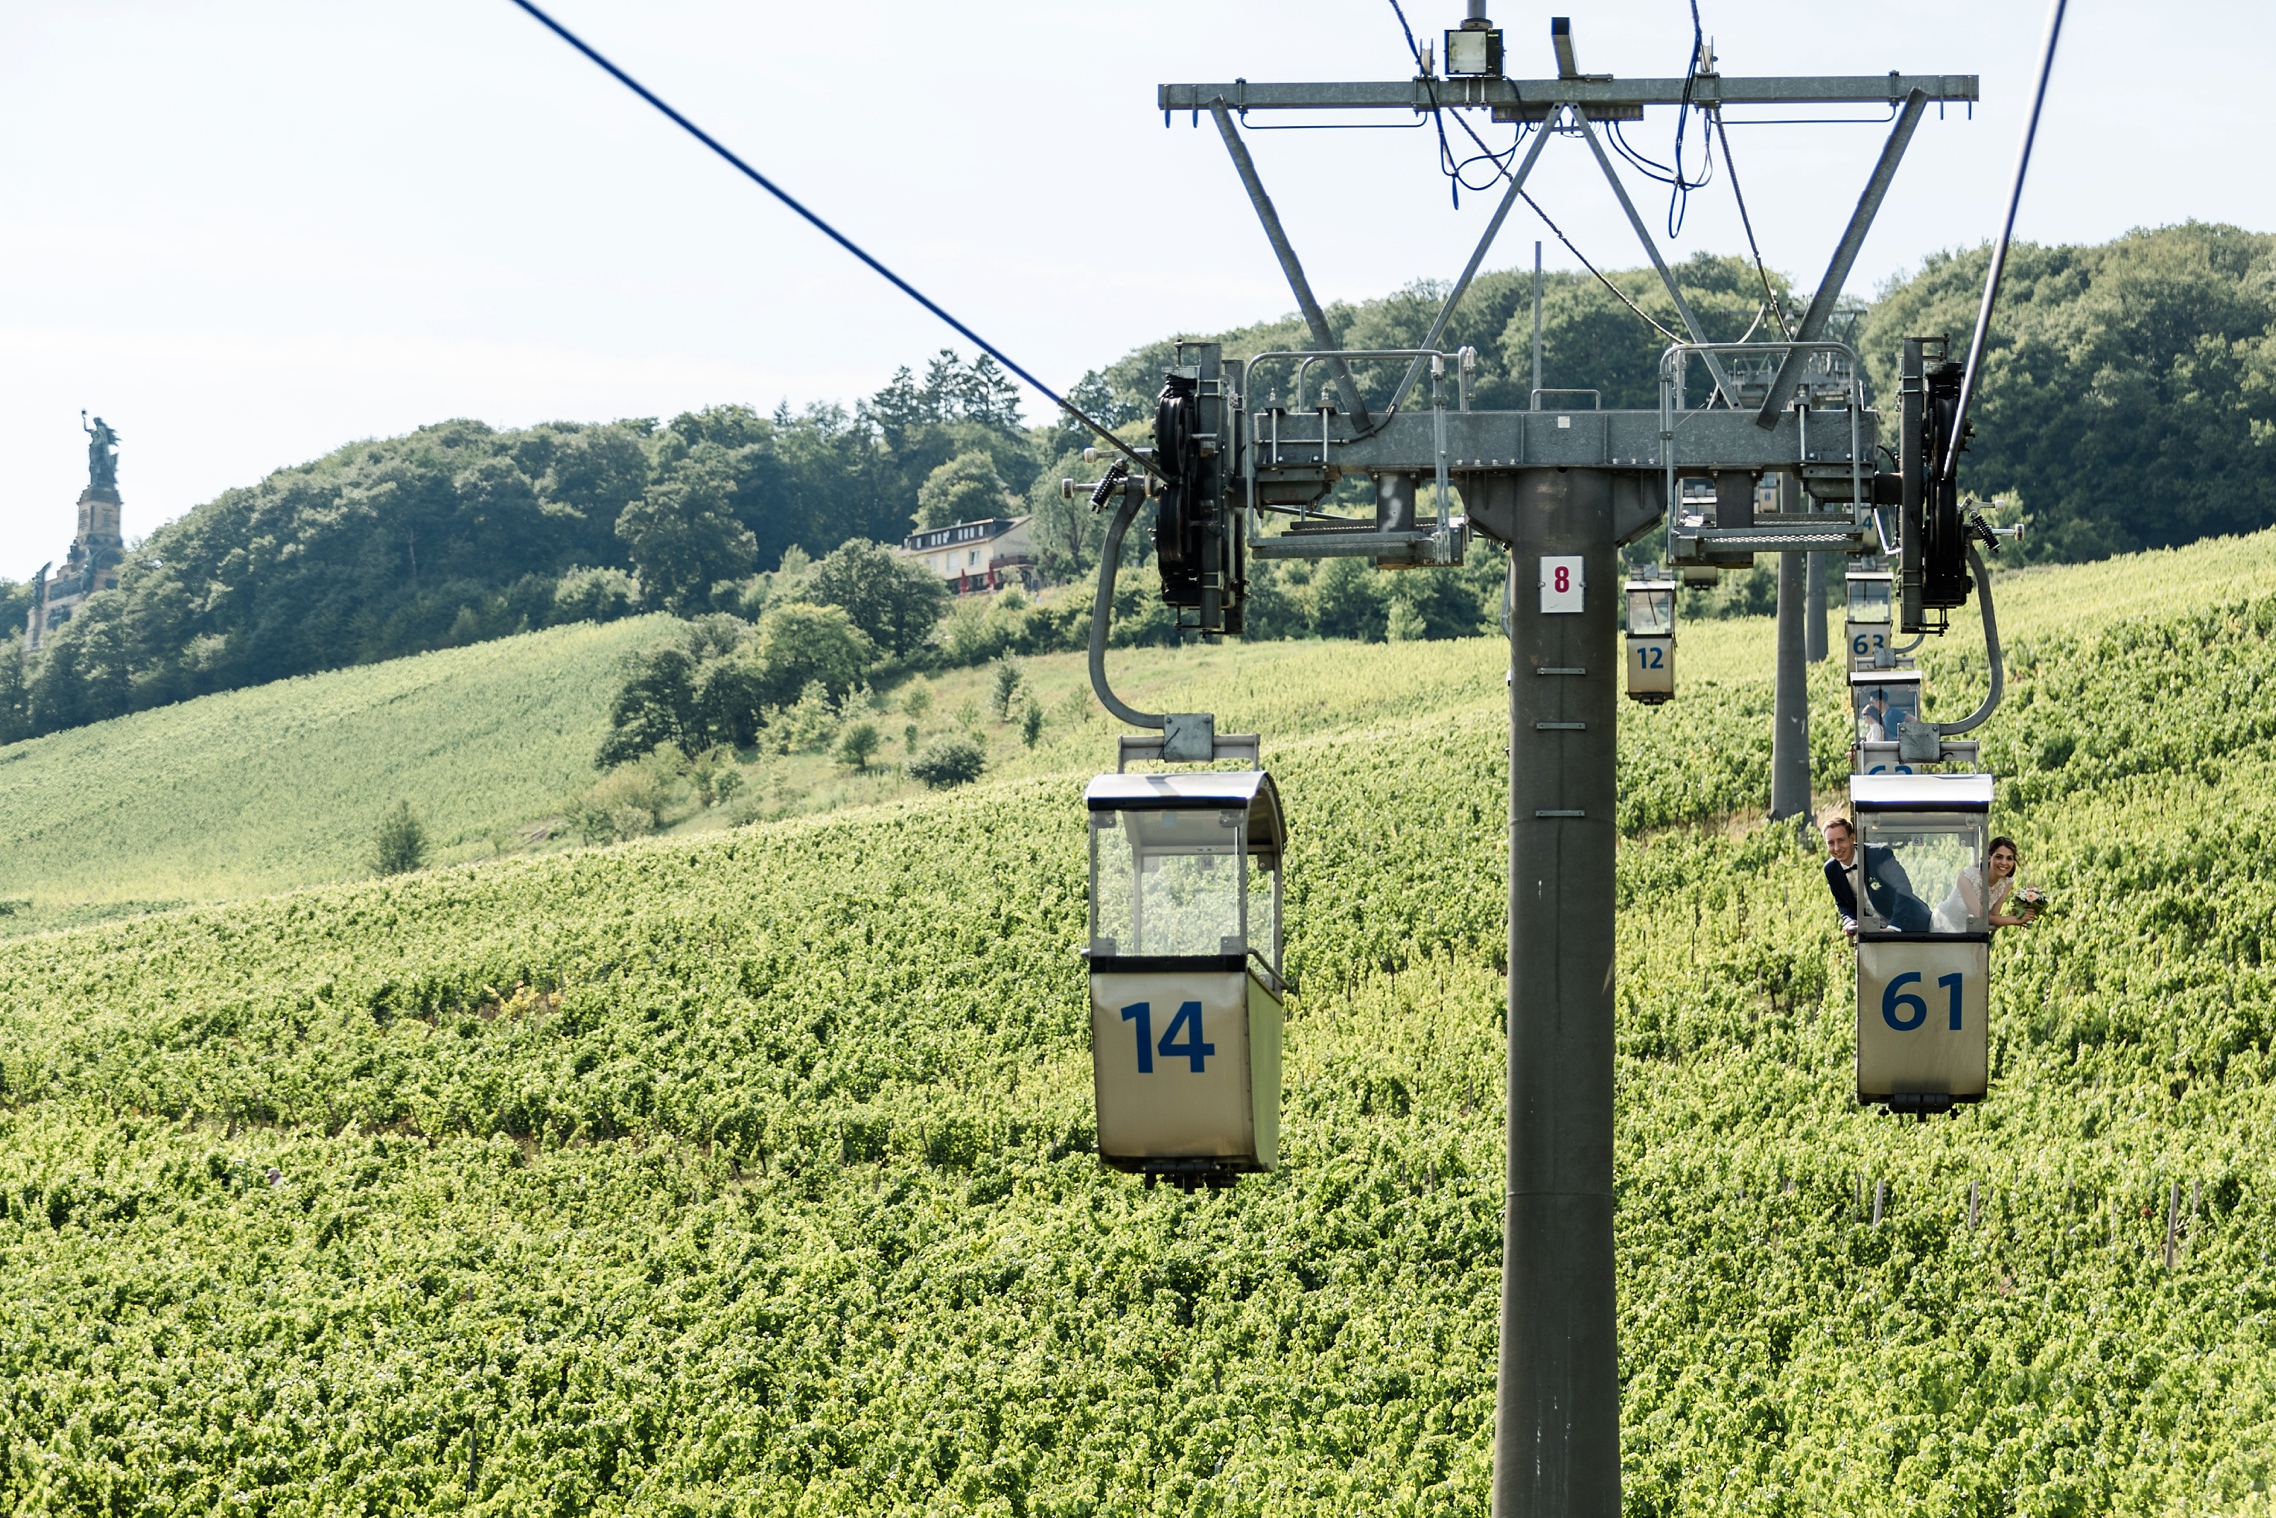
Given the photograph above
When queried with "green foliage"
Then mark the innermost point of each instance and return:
(1031, 722)
(807, 725)
(895, 602)
(949, 761)
(400, 846)
(858, 744)
(1003, 687)
(1350, 600)
(714, 776)
(754, 1173)
(284, 785)
(2129, 390)
(965, 489)
(682, 533)
(630, 801)
(595, 595)
(800, 645)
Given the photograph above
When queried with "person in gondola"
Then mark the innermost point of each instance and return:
(1872, 871)
(1970, 908)
(1875, 723)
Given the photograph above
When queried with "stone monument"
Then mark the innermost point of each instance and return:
(93, 563)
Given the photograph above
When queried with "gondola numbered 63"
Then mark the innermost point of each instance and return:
(1186, 1006)
(1923, 940)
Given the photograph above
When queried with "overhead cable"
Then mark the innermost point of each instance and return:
(1969, 375)
(836, 236)
(1502, 164)
(1747, 222)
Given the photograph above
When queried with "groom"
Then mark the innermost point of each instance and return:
(1875, 870)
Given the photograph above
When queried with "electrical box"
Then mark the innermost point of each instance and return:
(1473, 51)
(1923, 939)
(1650, 639)
(1186, 994)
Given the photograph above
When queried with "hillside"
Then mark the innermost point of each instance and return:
(749, 1172)
(283, 785)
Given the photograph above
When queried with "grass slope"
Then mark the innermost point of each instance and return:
(283, 785)
(750, 1173)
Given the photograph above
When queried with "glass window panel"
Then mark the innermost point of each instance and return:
(1651, 613)
(1264, 909)
(1166, 882)
(1868, 600)
(1880, 708)
(1924, 872)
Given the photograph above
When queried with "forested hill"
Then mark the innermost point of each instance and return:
(2130, 401)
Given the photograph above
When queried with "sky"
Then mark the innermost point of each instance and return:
(245, 232)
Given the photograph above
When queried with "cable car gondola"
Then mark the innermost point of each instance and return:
(1651, 641)
(1868, 625)
(1186, 994)
(1923, 939)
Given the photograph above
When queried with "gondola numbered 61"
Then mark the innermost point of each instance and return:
(1923, 940)
(1186, 994)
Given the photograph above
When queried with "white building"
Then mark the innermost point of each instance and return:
(978, 556)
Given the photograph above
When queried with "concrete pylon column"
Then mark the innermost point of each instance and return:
(1790, 735)
(1557, 1409)
(1814, 619)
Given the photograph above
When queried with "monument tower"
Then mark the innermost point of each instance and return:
(93, 563)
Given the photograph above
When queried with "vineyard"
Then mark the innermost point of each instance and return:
(750, 1172)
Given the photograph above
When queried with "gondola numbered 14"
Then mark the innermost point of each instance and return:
(1185, 985)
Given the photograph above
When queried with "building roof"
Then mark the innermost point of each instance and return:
(982, 531)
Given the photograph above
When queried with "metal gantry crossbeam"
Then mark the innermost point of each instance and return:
(1428, 94)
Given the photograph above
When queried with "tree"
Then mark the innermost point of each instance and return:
(682, 533)
(1432, 603)
(896, 602)
(856, 744)
(799, 644)
(1031, 722)
(1003, 686)
(401, 843)
(2128, 392)
(965, 489)
(656, 705)
(15, 697)
(594, 595)
(949, 761)
(1349, 602)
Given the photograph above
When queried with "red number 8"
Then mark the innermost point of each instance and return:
(1564, 579)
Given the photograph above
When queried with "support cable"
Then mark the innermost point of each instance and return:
(1484, 151)
(1951, 460)
(1747, 222)
(836, 236)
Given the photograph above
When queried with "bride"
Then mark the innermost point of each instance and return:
(1969, 906)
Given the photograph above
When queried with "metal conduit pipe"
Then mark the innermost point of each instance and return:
(1110, 560)
(1991, 648)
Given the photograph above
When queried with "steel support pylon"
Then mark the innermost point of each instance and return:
(1557, 1411)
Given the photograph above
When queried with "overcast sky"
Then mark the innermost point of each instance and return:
(246, 231)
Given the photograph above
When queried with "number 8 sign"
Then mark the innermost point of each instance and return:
(1561, 583)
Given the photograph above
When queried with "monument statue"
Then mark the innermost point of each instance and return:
(102, 456)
